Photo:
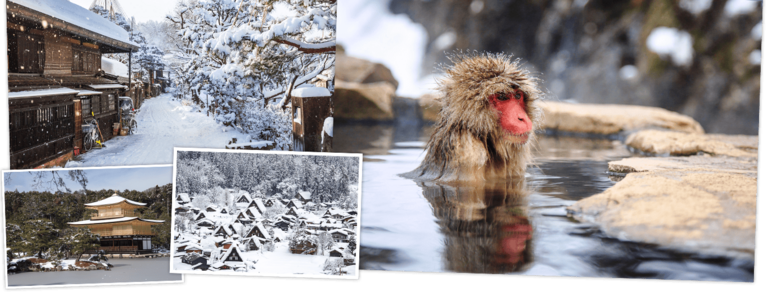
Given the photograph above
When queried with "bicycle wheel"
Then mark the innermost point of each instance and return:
(87, 142)
(134, 126)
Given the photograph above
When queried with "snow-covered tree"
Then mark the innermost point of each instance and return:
(245, 57)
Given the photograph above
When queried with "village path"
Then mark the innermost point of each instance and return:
(164, 123)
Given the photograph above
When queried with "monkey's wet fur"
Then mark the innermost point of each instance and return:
(487, 122)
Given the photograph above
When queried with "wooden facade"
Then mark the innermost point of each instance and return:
(46, 53)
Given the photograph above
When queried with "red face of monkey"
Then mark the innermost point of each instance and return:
(512, 115)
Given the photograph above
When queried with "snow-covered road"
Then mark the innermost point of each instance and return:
(163, 124)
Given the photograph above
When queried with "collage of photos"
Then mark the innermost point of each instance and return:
(211, 145)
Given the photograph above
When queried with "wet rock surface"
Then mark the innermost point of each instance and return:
(356, 70)
(700, 210)
(612, 119)
(358, 101)
(742, 166)
(675, 143)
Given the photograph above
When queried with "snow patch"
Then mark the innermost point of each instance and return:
(738, 7)
(695, 6)
(628, 72)
(755, 57)
(757, 31)
(328, 126)
(672, 43)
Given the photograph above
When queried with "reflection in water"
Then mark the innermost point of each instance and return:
(486, 227)
(517, 227)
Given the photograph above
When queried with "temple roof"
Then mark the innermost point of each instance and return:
(116, 220)
(114, 199)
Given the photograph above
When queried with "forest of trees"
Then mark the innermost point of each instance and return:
(206, 175)
(36, 221)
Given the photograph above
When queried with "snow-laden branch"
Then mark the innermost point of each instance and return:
(324, 47)
(299, 81)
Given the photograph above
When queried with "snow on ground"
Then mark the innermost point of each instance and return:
(671, 42)
(377, 33)
(163, 124)
(114, 67)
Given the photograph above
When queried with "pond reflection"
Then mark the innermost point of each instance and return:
(486, 227)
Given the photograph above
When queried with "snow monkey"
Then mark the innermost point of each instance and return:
(488, 116)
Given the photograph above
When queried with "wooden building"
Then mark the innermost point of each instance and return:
(118, 225)
(54, 53)
(311, 108)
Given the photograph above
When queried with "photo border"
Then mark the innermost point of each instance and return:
(301, 276)
(2, 228)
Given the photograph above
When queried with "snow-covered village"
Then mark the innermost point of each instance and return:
(109, 84)
(266, 214)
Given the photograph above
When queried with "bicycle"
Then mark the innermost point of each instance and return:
(128, 114)
(91, 135)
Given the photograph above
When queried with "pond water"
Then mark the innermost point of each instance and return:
(515, 227)
(124, 271)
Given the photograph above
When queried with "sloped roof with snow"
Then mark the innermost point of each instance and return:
(114, 199)
(75, 15)
(304, 194)
(260, 204)
(116, 220)
(262, 230)
(297, 203)
(184, 197)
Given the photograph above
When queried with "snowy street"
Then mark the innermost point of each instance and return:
(163, 124)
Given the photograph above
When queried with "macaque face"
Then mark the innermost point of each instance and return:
(513, 117)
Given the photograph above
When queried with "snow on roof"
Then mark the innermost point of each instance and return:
(84, 92)
(310, 92)
(114, 199)
(43, 92)
(260, 204)
(107, 86)
(296, 203)
(114, 67)
(79, 16)
(262, 230)
(305, 195)
(116, 220)
(334, 211)
(193, 247)
(235, 246)
(184, 197)
(254, 211)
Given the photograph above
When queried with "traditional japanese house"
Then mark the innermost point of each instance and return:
(54, 52)
(224, 211)
(292, 212)
(339, 235)
(231, 258)
(283, 225)
(258, 204)
(183, 198)
(222, 231)
(117, 223)
(252, 243)
(198, 261)
(200, 216)
(253, 213)
(295, 204)
(193, 248)
(259, 231)
(211, 208)
(303, 196)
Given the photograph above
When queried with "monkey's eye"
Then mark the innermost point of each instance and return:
(519, 94)
(502, 96)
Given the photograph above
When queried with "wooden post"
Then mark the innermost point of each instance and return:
(309, 113)
(130, 72)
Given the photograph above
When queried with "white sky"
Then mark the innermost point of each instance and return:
(142, 10)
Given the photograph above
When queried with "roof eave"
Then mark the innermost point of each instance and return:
(24, 12)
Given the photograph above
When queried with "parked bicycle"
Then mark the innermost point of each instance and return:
(91, 134)
(128, 116)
